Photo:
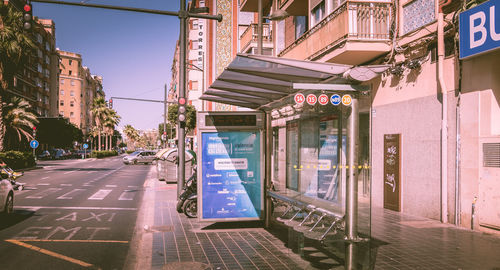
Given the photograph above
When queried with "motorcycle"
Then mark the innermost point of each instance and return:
(189, 193)
(12, 176)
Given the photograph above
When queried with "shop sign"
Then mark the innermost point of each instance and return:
(480, 29)
(392, 181)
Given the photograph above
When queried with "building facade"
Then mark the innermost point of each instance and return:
(77, 90)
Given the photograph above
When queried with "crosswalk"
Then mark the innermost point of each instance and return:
(67, 192)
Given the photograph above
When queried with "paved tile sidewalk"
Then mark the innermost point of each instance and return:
(174, 241)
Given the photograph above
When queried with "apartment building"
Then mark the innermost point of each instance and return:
(37, 82)
(77, 90)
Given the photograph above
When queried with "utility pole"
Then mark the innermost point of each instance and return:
(165, 119)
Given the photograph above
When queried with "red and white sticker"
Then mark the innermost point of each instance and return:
(323, 99)
(299, 98)
(311, 99)
(346, 100)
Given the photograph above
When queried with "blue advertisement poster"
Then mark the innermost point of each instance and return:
(231, 184)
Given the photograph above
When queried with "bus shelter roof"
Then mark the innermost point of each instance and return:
(264, 82)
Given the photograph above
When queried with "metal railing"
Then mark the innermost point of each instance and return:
(250, 34)
(350, 20)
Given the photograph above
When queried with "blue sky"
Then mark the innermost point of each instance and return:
(132, 51)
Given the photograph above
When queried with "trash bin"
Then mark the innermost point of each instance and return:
(166, 165)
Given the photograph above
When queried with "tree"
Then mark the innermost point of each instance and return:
(15, 47)
(171, 130)
(19, 122)
(112, 119)
(58, 132)
(190, 116)
(132, 134)
(99, 111)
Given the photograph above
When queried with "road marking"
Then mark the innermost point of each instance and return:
(100, 195)
(66, 185)
(67, 197)
(69, 172)
(91, 171)
(127, 195)
(132, 186)
(50, 253)
(44, 193)
(36, 208)
(45, 178)
(110, 185)
(43, 184)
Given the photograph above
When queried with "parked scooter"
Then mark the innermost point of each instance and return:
(12, 176)
(186, 197)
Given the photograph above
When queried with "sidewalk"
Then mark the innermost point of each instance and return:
(166, 239)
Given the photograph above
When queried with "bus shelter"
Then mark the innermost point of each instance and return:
(316, 149)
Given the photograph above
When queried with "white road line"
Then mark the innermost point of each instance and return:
(127, 195)
(44, 193)
(110, 185)
(35, 208)
(66, 185)
(67, 197)
(100, 195)
(132, 186)
(69, 172)
(43, 184)
(45, 178)
(90, 171)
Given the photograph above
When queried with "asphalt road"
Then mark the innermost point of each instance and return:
(73, 214)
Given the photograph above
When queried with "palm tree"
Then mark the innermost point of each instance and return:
(112, 119)
(99, 111)
(131, 134)
(15, 45)
(18, 121)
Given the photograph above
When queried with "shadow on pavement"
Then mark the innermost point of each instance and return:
(83, 169)
(234, 225)
(18, 216)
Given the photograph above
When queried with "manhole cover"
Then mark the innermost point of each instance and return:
(186, 266)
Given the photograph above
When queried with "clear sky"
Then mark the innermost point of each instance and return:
(132, 51)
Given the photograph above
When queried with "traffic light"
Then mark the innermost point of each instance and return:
(111, 103)
(182, 110)
(34, 131)
(27, 16)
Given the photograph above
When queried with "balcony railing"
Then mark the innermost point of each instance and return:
(250, 35)
(352, 20)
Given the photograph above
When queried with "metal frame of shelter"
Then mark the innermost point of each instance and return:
(265, 83)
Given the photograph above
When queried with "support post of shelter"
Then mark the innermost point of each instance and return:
(268, 181)
(351, 228)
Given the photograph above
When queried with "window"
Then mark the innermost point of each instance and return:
(61, 102)
(71, 114)
(39, 68)
(72, 103)
(70, 74)
(318, 13)
(47, 46)
(62, 92)
(62, 81)
(292, 157)
(72, 93)
(300, 23)
(70, 62)
(61, 113)
(72, 83)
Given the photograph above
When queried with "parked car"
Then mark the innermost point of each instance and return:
(6, 194)
(143, 156)
(58, 154)
(44, 155)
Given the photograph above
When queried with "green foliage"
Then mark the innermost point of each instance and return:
(130, 151)
(122, 144)
(58, 132)
(190, 116)
(19, 122)
(103, 154)
(18, 160)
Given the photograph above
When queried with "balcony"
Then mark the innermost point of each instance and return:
(252, 5)
(294, 7)
(248, 40)
(354, 33)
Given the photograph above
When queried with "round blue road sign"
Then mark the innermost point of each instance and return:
(34, 144)
(335, 99)
(85, 146)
